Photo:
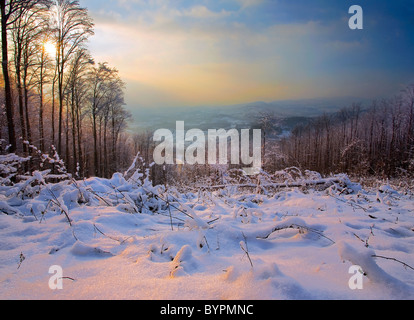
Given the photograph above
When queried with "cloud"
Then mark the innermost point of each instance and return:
(208, 66)
(208, 52)
(202, 12)
(249, 3)
(215, 65)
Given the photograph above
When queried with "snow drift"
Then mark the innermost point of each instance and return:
(123, 238)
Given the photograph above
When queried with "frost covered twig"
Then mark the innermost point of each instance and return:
(305, 183)
(67, 278)
(362, 240)
(393, 259)
(352, 204)
(182, 211)
(243, 246)
(21, 259)
(112, 238)
(54, 160)
(8, 210)
(294, 226)
(60, 205)
(127, 198)
(169, 211)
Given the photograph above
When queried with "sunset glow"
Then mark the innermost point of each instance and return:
(223, 52)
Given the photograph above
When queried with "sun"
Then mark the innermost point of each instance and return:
(50, 48)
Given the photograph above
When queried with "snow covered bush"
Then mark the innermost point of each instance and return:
(288, 235)
(10, 165)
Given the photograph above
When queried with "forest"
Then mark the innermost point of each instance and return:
(58, 102)
(376, 140)
(373, 141)
(56, 98)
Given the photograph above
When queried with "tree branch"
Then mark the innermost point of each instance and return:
(393, 259)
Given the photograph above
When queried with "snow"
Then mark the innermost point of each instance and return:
(118, 239)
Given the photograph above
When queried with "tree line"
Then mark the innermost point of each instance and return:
(57, 99)
(55, 96)
(377, 140)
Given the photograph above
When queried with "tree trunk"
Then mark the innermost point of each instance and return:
(95, 142)
(79, 132)
(53, 108)
(7, 86)
(67, 153)
(41, 130)
(60, 120)
(26, 107)
(75, 161)
(21, 104)
(105, 158)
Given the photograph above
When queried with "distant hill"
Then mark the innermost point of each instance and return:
(240, 116)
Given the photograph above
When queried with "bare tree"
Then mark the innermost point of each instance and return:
(267, 122)
(11, 11)
(77, 77)
(81, 88)
(26, 32)
(44, 65)
(99, 78)
(71, 26)
(377, 140)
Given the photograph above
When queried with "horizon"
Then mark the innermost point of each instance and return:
(337, 99)
(244, 115)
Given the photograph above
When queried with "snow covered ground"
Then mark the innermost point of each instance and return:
(140, 242)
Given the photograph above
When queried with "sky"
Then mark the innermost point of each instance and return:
(181, 53)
